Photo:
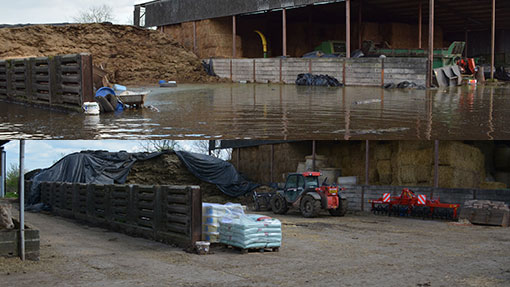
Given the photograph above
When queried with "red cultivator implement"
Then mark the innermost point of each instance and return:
(412, 205)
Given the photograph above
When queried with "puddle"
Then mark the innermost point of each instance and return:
(272, 111)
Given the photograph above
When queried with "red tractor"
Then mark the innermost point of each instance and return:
(302, 190)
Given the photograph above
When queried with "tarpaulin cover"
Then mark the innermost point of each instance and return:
(100, 167)
(217, 171)
(317, 80)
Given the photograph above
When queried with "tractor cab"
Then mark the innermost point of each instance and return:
(297, 183)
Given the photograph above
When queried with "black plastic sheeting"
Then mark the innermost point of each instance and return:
(317, 80)
(99, 167)
(102, 167)
(217, 171)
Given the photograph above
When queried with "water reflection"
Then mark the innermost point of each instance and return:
(281, 112)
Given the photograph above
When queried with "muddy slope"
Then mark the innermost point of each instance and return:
(130, 55)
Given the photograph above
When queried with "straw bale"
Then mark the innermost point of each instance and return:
(415, 157)
(383, 151)
(384, 171)
(413, 174)
(450, 177)
(462, 156)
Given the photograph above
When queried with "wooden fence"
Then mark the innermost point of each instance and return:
(170, 214)
(62, 82)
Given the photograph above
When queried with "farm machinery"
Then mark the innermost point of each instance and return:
(303, 191)
(411, 205)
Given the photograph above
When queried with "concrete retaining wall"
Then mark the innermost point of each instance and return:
(170, 214)
(351, 72)
(9, 242)
(359, 196)
(63, 82)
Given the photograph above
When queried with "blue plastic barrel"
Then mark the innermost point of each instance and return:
(104, 91)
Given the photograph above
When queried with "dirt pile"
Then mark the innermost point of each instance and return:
(168, 169)
(129, 54)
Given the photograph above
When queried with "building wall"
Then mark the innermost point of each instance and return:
(358, 71)
(214, 36)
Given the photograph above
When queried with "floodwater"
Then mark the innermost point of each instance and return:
(272, 111)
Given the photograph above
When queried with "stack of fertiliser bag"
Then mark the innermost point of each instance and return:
(250, 231)
(212, 213)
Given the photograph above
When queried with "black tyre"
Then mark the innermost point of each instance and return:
(279, 204)
(341, 210)
(310, 207)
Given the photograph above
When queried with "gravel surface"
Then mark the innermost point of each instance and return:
(356, 250)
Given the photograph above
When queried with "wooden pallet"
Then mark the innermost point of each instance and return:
(246, 250)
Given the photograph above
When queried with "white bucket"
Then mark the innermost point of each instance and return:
(202, 247)
(91, 108)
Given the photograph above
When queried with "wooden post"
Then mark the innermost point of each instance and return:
(284, 32)
(430, 64)
(313, 155)
(367, 161)
(493, 38)
(436, 164)
(466, 34)
(360, 32)
(272, 162)
(420, 22)
(196, 215)
(238, 160)
(195, 37)
(234, 32)
(87, 79)
(348, 29)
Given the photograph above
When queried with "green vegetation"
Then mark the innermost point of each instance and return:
(12, 180)
(11, 195)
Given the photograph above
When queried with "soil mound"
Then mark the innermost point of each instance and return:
(168, 169)
(129, 54)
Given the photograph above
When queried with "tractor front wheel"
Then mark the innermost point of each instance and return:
(341, 210)
(279, 204)
(310, 207)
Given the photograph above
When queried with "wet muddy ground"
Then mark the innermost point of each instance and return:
(356, 250)
(272, 111)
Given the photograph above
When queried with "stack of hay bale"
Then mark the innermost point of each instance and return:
(412, 163)
(486, 212)
(330, 174)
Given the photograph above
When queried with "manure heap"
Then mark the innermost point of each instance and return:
(129, 54)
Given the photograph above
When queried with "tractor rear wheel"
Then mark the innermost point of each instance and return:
(310, 207)
(279, 204)
(341, 210)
